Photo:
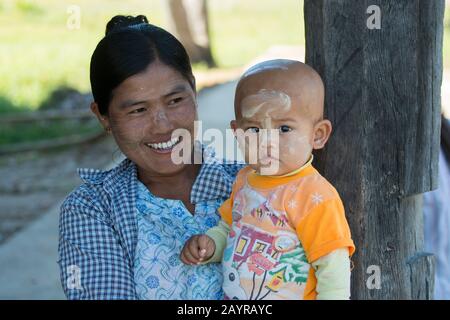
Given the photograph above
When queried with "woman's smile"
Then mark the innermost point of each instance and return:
(164, 146)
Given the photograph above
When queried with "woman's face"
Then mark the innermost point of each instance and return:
(144, 111)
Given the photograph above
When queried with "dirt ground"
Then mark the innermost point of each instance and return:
(32, 182)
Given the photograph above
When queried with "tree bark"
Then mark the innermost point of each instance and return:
(188, 21)
(383, 98)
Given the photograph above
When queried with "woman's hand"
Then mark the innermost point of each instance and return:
(197, 249)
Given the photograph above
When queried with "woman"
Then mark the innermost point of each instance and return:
(122, 230)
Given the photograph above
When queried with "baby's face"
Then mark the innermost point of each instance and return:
(274, 131)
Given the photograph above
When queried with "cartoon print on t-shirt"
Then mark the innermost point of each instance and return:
(264, 250)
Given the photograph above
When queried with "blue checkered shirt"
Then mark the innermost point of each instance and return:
(98, 227)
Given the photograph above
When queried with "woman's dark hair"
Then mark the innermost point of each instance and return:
(130, 45)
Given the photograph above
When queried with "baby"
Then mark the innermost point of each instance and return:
(283, 232)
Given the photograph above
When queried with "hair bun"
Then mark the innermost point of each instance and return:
(120, 22)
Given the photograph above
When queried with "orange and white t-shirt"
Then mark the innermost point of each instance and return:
(279, 227)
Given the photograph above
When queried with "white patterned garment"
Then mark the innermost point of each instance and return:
(437, 229)
(164, 225)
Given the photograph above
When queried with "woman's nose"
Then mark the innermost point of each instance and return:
(160, 121)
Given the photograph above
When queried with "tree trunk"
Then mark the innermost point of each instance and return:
(383, 98)
(188, 21)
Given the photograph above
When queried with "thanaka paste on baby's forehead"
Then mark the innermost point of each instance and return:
(264, 102)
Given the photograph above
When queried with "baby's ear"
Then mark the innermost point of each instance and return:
(322, 132)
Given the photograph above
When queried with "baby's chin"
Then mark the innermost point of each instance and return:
(270, 169)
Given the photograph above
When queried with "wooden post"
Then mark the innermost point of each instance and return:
(383, 98)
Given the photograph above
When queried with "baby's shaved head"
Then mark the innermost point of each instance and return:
(296, 80)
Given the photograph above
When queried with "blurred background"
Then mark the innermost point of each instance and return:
(47, 131)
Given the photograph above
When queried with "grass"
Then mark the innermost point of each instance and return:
(20, 133)
(39, 53)
(446, 51)
(244, 29)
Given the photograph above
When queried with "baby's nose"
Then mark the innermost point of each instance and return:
(268, 138)
(269, 142)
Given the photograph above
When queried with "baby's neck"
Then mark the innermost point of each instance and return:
(295, 171)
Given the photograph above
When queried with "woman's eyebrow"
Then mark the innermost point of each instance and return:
(177, 89)
(130, 103)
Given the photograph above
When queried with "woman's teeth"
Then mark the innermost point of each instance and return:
(164, 145)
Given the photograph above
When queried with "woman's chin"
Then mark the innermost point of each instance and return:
(162, 168)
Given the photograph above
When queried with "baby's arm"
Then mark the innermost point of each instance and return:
(219, 234)
(333, 275)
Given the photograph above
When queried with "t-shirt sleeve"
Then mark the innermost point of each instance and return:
(324, 229)
(226, 209)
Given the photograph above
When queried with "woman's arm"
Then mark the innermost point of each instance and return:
(92, 262)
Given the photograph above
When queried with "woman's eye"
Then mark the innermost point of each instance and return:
(175, 101)
(139, 110)
(285, 129)
(253, 129)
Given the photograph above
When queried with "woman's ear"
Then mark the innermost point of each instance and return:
(322, 132)
(104, 120)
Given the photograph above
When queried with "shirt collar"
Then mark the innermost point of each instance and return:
(214, 181)
(97, 176)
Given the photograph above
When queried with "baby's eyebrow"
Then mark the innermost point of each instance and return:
(284, 119)
(249, 121)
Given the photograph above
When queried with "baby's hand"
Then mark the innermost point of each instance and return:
(197, 249)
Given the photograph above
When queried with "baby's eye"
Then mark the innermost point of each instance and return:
(175, 101)
(285, 129)
(253, 129)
